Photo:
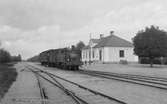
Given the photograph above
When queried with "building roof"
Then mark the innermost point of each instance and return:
(95, 40)
(113, 41)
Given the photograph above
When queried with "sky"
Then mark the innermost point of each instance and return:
(28, 27)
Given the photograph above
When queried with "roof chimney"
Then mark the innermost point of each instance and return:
(101, 36)
(111, 32)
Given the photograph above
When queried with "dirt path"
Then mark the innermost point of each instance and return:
(24, 90)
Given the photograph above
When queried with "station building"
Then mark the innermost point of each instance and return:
(110, 49)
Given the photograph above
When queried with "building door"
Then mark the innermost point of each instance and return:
(100, 55)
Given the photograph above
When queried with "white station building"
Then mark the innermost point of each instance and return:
(110, 49)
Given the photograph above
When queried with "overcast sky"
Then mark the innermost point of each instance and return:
(31, 26)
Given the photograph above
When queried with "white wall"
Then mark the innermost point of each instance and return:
(85, 55)
(96, 58)
(112, 54)
(86, 52)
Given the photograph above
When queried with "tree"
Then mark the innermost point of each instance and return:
(80, 45)
(4, 56)
(151, 43)
(19, 57)
(34, 59)
(16, 58)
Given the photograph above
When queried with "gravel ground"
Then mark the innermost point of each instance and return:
(24, 90)
(86, 95)
(130, 93)
(54, 94)
(139, 69)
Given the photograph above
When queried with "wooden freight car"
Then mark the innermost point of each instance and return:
(62, 58)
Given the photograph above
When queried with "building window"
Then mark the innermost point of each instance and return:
(100, 55)
(121, 53)
(83, 54)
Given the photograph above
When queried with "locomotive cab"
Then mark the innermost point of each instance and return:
(73, 60)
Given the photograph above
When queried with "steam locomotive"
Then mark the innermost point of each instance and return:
(63, 58)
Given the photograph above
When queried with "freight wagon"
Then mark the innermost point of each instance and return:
(62, 58)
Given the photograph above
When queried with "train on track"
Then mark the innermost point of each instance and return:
(64, 58)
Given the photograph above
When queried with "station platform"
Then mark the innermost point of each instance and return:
(131, 68)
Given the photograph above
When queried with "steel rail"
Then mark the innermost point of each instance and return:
(88, 89)
(42, 93)
(77, 99)
(128, 79)
(162, 79)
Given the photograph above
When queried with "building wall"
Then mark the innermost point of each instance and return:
(96, 54)
(85, 55)
(109, 54)
(113, 54)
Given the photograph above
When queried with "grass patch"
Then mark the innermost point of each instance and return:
(8, 75)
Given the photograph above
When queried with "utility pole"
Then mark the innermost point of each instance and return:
(90, 49)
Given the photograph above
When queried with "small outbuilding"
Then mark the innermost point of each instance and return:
(110, 49)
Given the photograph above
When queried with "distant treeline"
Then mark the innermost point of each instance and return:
(34, 59)
(6, 57)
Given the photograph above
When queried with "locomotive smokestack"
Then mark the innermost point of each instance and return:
(73, 47)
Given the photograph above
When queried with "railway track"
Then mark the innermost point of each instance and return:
(66, 91)
(150, 81)
(156, 82)
(78, 98)
(42, 91)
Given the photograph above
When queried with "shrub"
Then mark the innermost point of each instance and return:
(123, 62)
(146, 60)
